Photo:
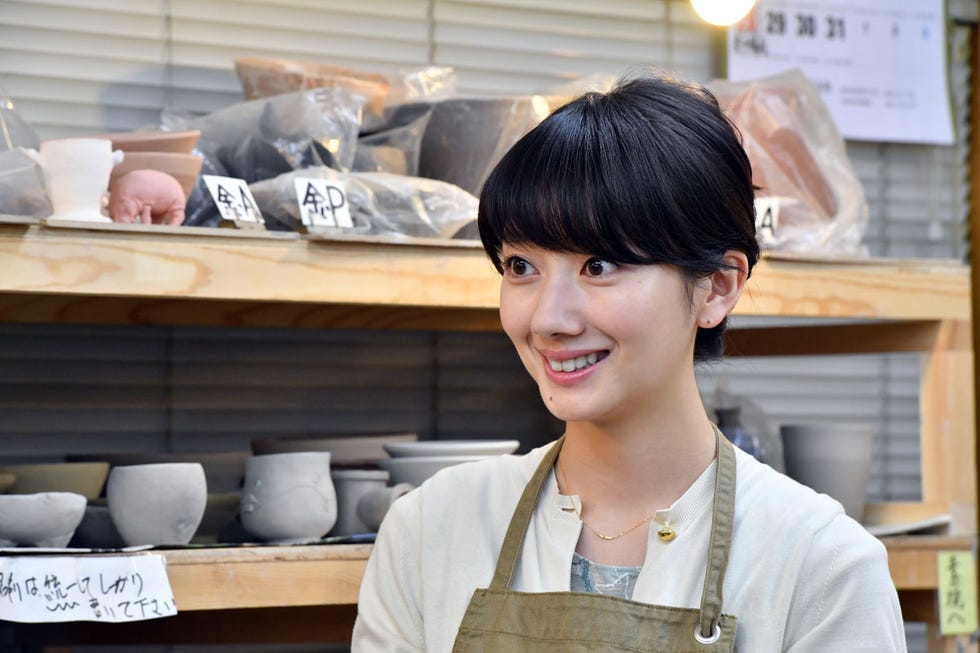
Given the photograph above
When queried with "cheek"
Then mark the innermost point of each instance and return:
(513, 317)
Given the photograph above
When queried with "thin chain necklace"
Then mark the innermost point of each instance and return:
(665, 533)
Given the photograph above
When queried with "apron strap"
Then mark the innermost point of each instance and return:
(510, 551)
(722, 520)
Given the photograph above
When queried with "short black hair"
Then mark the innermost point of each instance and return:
(649, 172)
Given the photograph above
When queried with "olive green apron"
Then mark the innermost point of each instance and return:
(504, 621)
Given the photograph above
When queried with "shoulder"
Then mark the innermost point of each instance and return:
(785, 518)
(764, 495)
(827, 578)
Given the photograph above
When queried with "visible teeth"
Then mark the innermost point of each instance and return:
(572, 364)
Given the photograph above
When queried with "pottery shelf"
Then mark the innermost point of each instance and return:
(123, 274)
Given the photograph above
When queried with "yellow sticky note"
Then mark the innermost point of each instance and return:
(957, 593)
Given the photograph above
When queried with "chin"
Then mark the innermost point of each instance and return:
(568, 410)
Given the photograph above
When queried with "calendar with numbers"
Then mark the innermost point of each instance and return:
(880, 65)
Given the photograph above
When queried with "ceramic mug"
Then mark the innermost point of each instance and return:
(363, 499)
(76, 174)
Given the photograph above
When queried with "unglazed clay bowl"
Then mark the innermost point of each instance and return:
(86, 478)
(289, 497)
(222, 469)
(157, 504)
(45, 519)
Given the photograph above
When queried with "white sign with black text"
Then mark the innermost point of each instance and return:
(111, 588)
(234, 199)
(322, 203)
(880, 65)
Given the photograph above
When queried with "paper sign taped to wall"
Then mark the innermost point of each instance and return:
(957, 593)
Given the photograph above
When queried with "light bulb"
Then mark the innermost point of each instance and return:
(722, 12)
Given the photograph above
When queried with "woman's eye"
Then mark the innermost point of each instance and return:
(518, 266)
(596, 267)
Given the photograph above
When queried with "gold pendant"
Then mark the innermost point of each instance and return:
(666, 533)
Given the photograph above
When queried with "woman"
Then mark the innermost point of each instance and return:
(623, 227)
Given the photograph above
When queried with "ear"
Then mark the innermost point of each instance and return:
(726, 288)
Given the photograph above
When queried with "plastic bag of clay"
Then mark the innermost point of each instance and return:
(466, 137)
(265, 77)
(809, 199)
(397, 144)
(260, 139)
(14, 130)
(379, 203)
(22, 189)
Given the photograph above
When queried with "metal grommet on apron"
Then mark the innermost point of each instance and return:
(498, 619)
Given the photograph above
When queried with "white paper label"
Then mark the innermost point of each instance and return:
(234, 199)
(766, 219)
(322, 203)
(880, 65)
(118, 588)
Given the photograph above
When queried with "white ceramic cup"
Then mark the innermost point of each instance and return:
(288, 497)
(831, 458)
(158, 503)
(76, 174)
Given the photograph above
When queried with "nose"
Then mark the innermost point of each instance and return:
(558, 310)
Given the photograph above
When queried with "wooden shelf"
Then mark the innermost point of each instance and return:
(127, 274)
(262, 577)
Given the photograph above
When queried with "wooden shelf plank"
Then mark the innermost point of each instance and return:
(261, 577)
(183, 276)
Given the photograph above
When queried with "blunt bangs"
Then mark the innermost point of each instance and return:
(607, 176)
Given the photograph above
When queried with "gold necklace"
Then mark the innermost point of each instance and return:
(665, 533)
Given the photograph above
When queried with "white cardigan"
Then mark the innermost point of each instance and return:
(802, 577)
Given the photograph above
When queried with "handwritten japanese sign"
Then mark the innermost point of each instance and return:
(37, 589)
(957, 593)
(322, 203)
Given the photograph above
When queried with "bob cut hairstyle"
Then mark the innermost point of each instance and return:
(651, 172)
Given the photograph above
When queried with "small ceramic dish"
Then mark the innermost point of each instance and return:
(415, 470)
(451, 448)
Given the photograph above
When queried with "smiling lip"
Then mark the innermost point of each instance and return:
(568, 368)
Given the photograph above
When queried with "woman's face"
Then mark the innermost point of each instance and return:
(601, 340)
